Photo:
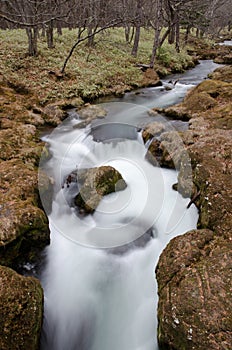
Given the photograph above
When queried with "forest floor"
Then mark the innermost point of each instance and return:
(107, 68)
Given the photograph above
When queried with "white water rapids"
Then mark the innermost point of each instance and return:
(98, 298)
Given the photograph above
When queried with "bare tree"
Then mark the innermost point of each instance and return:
(32, 15)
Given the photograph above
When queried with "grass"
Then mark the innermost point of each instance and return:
(91, 72)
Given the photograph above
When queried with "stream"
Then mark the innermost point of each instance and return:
(99, 277)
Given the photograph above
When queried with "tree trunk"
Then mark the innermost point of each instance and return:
(127, 33)
(132, 35)
(202, 34)
(138, 28)
(91, 36)
(32, 35)
(177, 30)
(188, 29)
(43, 32)
(171, 36)
(156, 43)
(164, 37)
(59, 28)
(49, 34)
(229, 26)
(134, 51)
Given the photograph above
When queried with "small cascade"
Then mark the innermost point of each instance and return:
(99, 280)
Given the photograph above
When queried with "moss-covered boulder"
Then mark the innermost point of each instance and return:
(202, 98)
(222, 73)
(94, 184)
(151, 78)
(21, 311)
(23, 225)
(194, 277)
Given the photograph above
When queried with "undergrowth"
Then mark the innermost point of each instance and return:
(91, 72)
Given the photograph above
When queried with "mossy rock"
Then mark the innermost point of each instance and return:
(53, 114)
(193, 276)
(222, 73)
(91, 112)
(151, 78)
(96, 183)
(23, 226)
(21, 311)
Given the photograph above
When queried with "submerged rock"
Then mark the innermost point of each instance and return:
(95, 183)
(21, 311)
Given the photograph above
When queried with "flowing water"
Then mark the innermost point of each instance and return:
(99, 278)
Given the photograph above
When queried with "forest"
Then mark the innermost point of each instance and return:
(93, 16)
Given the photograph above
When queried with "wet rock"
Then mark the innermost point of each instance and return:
(152, 130)
(194, 293)
(88, 114)
(168, 151)
(95, 183)
(91, 112)
(21, 310)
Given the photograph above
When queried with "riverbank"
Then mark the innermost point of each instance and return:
(33, 97)
(194, 270)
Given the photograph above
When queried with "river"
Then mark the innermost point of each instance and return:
(99, 277)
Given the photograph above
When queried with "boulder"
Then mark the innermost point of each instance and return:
(21, 311)
(166, 152)
(222, 73)
(151, 78)
(194, 277)
(202, 98)
(95, 183)
(152, 130)
(91, 112)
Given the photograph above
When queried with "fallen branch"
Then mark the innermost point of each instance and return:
(193, 200)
